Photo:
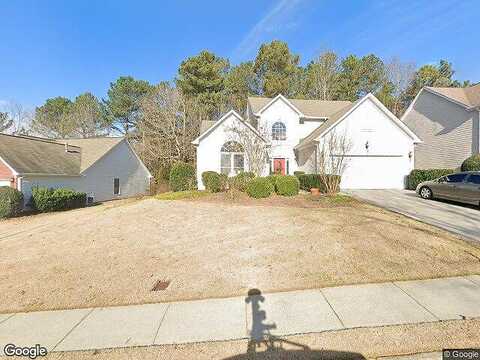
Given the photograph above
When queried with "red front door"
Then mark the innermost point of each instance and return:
(279, 166)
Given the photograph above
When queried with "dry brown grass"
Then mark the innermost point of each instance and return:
(114, 253)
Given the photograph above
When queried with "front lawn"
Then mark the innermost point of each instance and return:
(114, 253)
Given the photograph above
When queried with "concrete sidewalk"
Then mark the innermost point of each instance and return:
(253, 316)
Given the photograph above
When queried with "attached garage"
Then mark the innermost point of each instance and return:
(381, 151)
(375, 172)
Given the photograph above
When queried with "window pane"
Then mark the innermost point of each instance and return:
(279, 131)
(474, 179)
(238, 162)
(116, 186)
(225, 164)
(455, 178)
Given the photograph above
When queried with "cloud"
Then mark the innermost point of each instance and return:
(276, 20)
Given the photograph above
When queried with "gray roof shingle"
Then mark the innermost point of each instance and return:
(310, 108)
(32, 155)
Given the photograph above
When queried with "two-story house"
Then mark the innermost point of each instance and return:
(380, 152)
(447, 121)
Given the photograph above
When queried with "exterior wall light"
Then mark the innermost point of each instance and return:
(367, 145)
(410, 155)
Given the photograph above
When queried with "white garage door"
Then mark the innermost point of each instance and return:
(375, 172)
(4, 182)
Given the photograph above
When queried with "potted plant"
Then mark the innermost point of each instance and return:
(315, 191)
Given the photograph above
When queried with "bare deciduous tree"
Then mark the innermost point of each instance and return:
(332, 160)
(20, 118)
(399, 74)
(255, 143)
(169, 123)
(323, 75)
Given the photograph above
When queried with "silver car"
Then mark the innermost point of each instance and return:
(463, 187)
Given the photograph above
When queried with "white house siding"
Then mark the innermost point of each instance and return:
(386, 163)
(208, 151)
(121, 162)
(449, 132)
(280, 111)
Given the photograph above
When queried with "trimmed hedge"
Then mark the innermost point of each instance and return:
(45, 200)
(472, 163)
(214, 182)
(418, 176)
(11, 202)
(182, 177)
(308, 181)
(260, 187)
(273, 180)
(287, 185)
(241, 180)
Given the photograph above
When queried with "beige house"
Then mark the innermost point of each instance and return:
(104, 168)
(447, 121)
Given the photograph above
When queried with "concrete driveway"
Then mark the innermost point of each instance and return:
(460, 219)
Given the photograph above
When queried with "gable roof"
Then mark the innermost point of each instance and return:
(205, 125)
(93, 149)
(468, 97)
(29, 155)
(305, 108)
(343, 113)
(33, 155)
(221, 120)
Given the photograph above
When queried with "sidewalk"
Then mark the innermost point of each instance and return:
(252, 316)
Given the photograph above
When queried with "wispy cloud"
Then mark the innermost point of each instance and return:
(276, 20)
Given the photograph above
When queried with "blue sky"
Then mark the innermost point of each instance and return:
(51, 48)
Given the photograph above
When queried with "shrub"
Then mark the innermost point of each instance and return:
(273, 180)
(260, 187)
(11, 202)
(287, 185)
(472, 163)
(418, 176)
(308, 181)
(182, 177)
(44, 199)
(298, 173)
(241, 180)
(214, 181)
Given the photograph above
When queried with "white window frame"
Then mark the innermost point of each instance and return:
(232, 170)
(275, 133)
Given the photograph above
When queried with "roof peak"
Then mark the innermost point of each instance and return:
(36, 138)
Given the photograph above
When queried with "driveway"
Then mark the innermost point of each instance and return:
(463, 220)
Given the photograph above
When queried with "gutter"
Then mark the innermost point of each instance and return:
(46, 174)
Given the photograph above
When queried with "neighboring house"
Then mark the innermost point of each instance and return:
(104, 168)
(380, 157)
(447, 121)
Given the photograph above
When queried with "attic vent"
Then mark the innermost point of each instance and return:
(69, 149)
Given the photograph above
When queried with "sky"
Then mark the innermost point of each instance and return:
(54, 48)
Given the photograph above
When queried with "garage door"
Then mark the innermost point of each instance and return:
(4, 182)
(375, 172)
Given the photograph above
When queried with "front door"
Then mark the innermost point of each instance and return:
(279, 166)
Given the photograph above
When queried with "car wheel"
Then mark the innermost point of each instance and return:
(426, 193)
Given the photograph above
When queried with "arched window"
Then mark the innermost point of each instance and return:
(231, 158)
(279, 131)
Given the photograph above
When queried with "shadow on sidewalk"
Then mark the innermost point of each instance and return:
(264, 345)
